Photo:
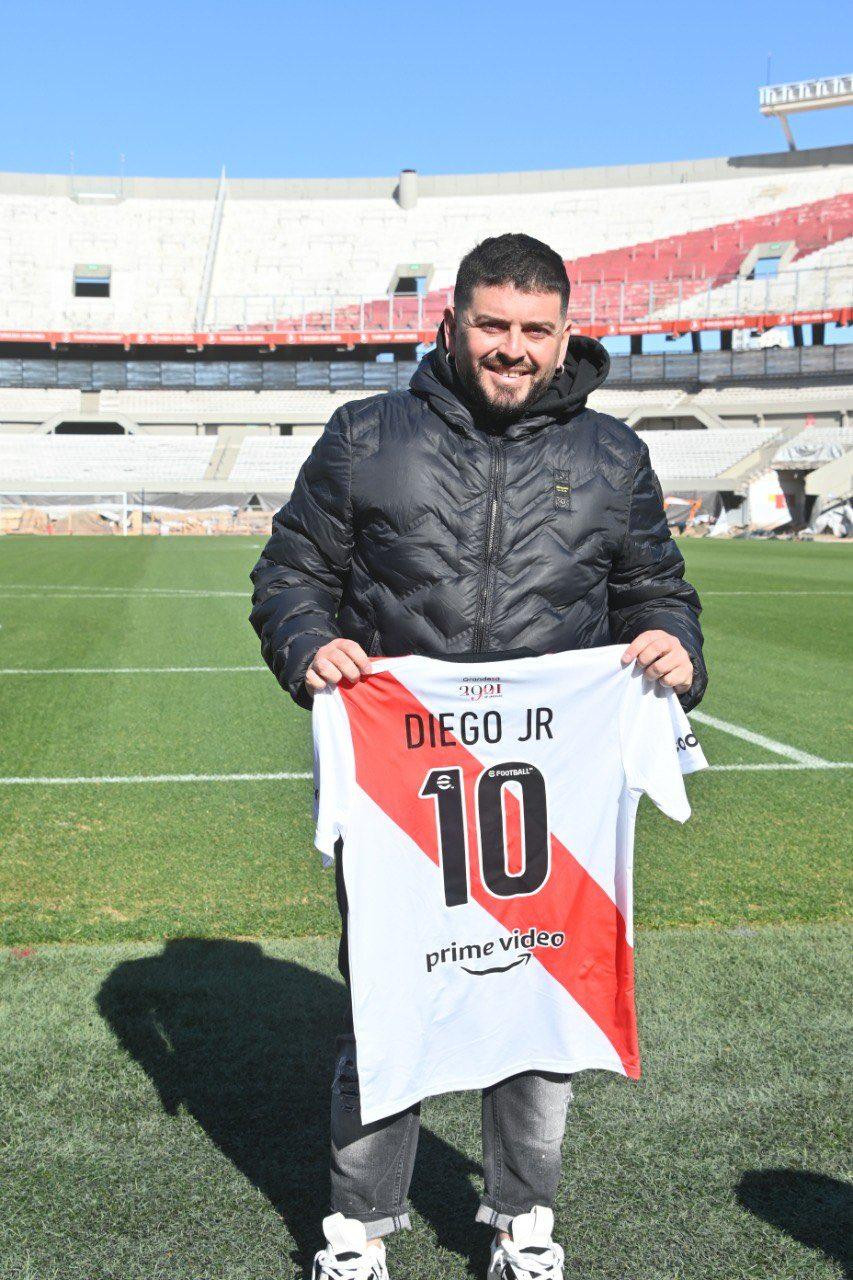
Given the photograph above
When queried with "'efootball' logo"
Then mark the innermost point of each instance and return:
(476, 688)
(684, 744)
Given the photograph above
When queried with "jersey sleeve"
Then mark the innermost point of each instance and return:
(658, 745)
(334, 770)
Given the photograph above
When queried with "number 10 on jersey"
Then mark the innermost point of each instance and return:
(446, 787)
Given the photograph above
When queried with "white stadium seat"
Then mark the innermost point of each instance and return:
(35, 460)
(702, 453)
(270, 463)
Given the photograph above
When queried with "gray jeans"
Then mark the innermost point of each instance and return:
(523, 1123)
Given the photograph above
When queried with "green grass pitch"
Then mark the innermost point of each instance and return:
(168, 991)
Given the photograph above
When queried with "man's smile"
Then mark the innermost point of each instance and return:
(507, 376)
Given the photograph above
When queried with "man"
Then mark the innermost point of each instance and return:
(483, 512)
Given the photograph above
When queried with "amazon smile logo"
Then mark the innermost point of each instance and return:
(500, 968)
(525, 942)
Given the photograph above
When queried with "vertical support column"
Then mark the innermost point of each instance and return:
(786, 129)
(210, 257)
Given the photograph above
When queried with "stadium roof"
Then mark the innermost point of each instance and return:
(467, 184)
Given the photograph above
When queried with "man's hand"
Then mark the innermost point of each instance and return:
(663, 657)
(339, 659)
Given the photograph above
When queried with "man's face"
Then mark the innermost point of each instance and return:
(506, 346)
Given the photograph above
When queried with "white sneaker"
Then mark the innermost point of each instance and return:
(530, 1254)
(347, 1255)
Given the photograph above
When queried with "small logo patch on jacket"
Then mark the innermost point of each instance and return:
(562, 489)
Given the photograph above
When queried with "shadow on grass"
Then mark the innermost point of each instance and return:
(246, 1043)
(812, 1208)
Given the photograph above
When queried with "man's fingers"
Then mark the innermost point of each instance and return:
(662, 657)
(354, 650)
(680, 678)
(643, 642)
(346, 666)
(333, 667)
(326, 670)
(341, 659)
(664, 664)
(651, 652)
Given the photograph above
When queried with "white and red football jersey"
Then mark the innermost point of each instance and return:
(487, 811)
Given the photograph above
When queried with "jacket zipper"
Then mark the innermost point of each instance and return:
(497, 476)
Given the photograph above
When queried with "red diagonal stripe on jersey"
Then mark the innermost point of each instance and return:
(595, 964)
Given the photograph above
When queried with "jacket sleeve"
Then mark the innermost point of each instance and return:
(299, 578)
(646, 587)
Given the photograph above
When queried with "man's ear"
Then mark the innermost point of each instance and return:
(564, 341)
(449, 326)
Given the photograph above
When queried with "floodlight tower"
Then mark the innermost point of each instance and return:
(782, 100)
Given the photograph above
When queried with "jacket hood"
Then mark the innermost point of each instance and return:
(585, 367)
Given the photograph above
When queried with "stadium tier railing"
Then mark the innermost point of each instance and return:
(597, 306)
(812, 295)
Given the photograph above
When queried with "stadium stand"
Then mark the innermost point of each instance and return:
(30, 460)
(35, 404)
(275, 413)
(704, 272)
(678, 454)
(269, 463)
(234, 317)
(315, 257)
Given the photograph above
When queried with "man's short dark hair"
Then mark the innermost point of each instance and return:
(516, 259)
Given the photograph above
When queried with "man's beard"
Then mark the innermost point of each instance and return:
(501, 411)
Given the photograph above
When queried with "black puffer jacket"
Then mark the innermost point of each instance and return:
(414, 529)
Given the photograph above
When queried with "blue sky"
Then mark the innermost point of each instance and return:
(281, 89)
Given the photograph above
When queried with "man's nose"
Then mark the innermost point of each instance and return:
(512, 347)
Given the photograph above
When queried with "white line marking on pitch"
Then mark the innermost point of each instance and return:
(759, 740)
(94, 586)
(285, 777)
(758, 768)
(160, 777)
(775, 593)
(11, 592)
(117, 671)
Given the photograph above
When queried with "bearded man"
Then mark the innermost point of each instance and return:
(485, 512)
